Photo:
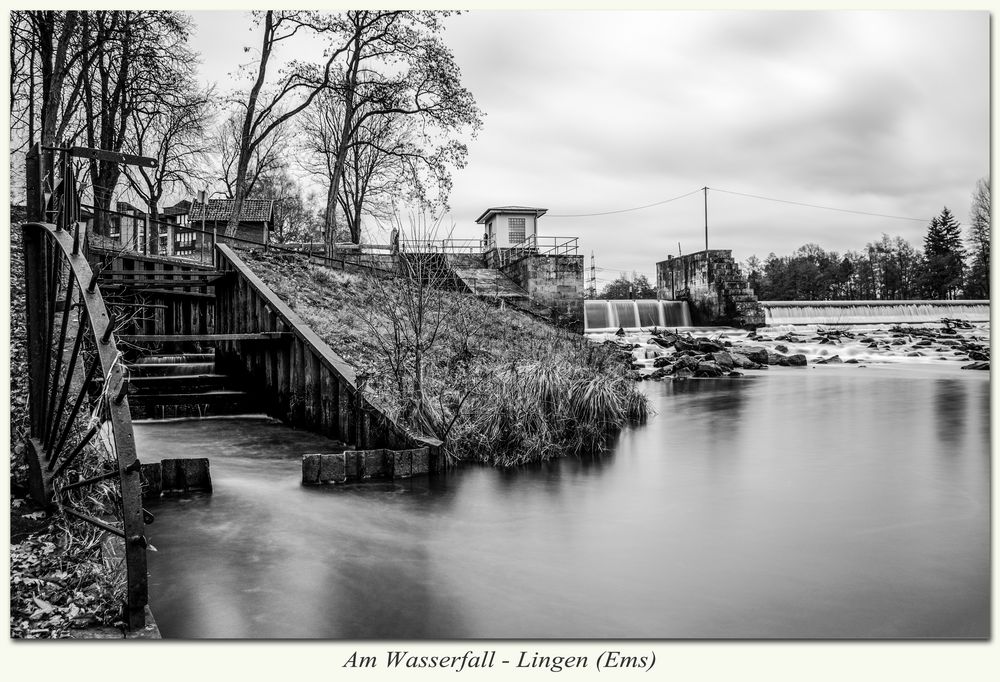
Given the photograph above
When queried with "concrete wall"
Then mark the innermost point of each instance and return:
(712, 284)
(552, 281)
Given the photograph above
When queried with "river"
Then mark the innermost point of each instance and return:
(821, 502)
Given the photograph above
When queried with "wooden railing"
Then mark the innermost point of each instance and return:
(308, 385)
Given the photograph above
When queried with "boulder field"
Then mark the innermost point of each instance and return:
(660, 354)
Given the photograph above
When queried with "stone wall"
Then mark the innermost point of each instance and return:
(553, 281)
(712, 284)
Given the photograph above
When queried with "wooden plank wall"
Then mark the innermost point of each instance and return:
(164, 310)
(307, 384)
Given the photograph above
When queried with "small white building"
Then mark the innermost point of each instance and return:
(508, 226)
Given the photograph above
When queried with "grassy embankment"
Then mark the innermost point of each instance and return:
(498, 386)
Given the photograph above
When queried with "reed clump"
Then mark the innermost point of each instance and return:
(533, 412)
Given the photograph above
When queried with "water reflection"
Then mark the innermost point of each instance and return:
(950, 408)
(796, 504)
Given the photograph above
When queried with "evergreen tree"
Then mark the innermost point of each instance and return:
(978, 283)
(943, 257)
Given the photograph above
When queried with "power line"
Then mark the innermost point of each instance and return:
(742, 194)
(827, 208)
(623, 210)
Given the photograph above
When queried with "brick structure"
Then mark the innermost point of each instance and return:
(553, 281)
(712, 284)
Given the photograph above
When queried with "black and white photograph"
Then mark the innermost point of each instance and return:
(491, 326)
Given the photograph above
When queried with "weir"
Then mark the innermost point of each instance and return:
(872, 312)
(600, 315)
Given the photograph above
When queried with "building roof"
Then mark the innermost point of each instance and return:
(182, 207)
(488, 213)
(219, 210)
(125, 207)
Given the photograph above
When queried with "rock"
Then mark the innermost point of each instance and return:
(832, 360)
(852, 361)
(756, 354)
(797, 360)
(781, 348)
(976, 355)
(708, 369)
(777, 359)
(620, 332)
(706, 346)
(723, 359)
(741, 361)
(664, 340)
(662, 362)
(735, 374)
(977, 365)
(682, 373)
(915, 354)
(659, 374)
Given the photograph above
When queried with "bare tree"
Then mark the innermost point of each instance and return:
(372, 177)
(406, 316)
(138, 57)
(978, 283)
(269, 156)
(265, 110)
(172, 130)
(397, 66)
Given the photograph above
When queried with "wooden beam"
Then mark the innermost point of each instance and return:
(167, 338)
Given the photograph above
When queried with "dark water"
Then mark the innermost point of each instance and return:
(818, 503)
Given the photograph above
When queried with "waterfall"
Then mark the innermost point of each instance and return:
(872, 312)
(600, 315)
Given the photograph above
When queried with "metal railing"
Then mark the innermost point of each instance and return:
(446, 246)
(537, 246)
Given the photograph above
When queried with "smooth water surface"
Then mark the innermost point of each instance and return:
(825, 502)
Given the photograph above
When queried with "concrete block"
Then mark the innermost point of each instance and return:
(310, 469)
(196, 474)
(169, 475)
(374, 464)
(332, 468)
(151, 476)
(352, 465)
(420, 461)
(402, 463)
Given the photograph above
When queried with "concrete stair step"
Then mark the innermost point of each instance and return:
(170, 369)
(182, 405)
(179, 383)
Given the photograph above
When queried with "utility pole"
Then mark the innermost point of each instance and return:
(705, 190)
(593, 276)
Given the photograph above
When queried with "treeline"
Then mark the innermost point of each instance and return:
(376, 117)
(948, 266)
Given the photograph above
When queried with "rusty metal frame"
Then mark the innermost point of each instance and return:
(48, 250)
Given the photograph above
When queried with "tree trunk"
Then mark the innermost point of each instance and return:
(153, 232)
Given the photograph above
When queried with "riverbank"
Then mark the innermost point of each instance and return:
(496, 385)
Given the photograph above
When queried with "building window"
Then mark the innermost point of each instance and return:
(114, 229)
(516, 228)
(184, 241)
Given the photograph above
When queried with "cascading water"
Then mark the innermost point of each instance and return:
(778, 313)
(634, 314)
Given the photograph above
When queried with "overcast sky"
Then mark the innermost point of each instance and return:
(598, 111)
